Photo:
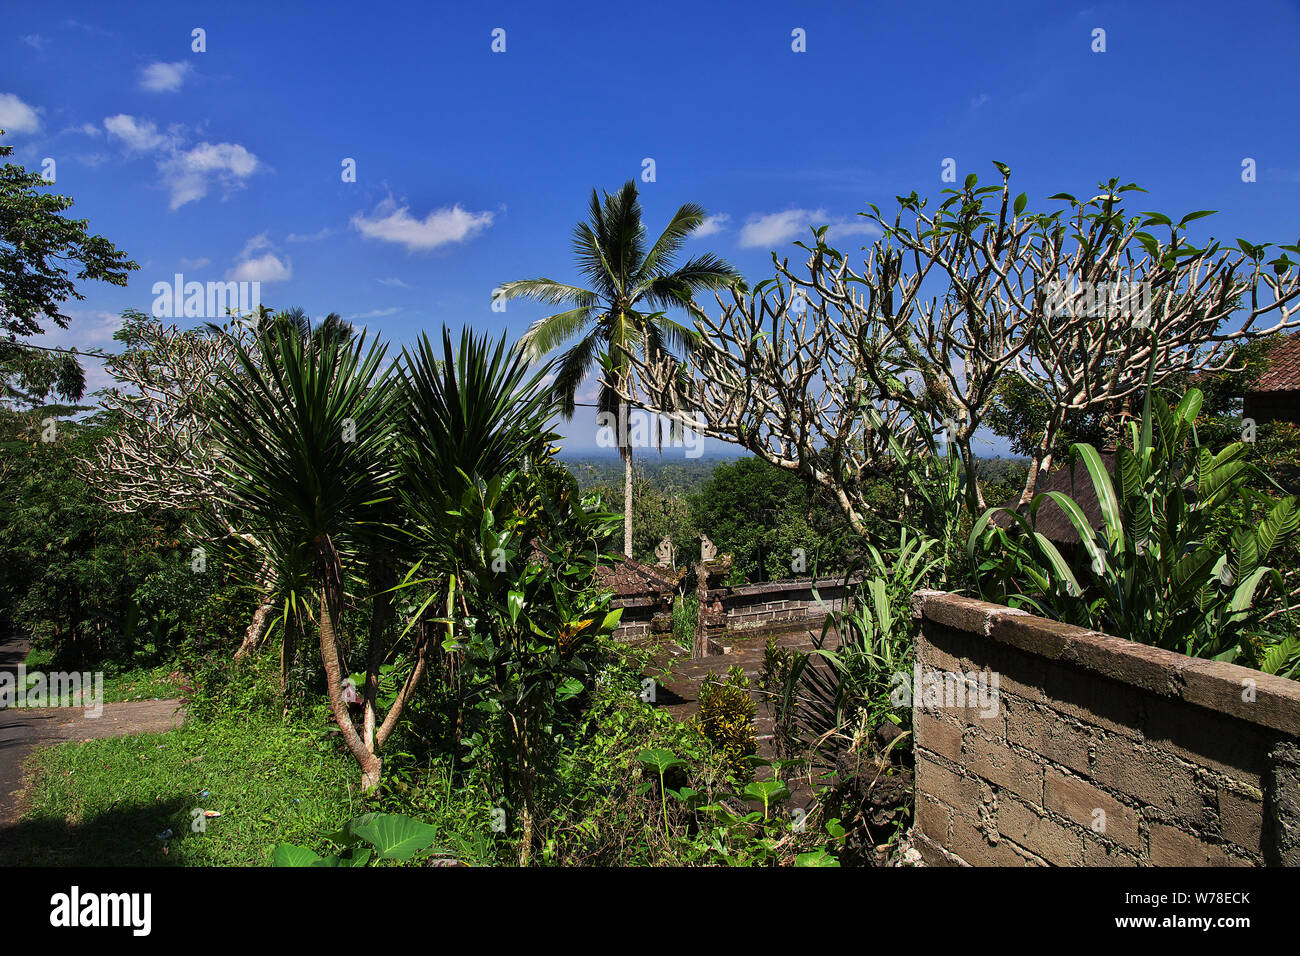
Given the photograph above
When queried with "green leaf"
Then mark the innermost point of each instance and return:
(359, 857)
(1021, 202)
(1111, 513)
(287, 854)
(768, 791)
(687, 797)
(816, 858)
(660, 761)
(395, 837)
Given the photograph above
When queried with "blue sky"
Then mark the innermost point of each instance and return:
(473, 166)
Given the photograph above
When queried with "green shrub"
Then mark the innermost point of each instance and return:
(726, 716)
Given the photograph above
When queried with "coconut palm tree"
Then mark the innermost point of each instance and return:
(623, 308)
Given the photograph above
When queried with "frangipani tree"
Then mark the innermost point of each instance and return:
(820, 370)
(162, 454)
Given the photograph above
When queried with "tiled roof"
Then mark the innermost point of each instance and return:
(1282, 372)
(627, 578)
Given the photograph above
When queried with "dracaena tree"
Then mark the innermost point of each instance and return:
(306, 429)
(162, 454)
(505, 553)
(622, 309)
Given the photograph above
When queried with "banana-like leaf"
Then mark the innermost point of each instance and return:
(1278, 657)
(1111, 513)
(1060, 566)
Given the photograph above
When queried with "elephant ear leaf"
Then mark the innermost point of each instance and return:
(660, 761)
(394, 836)
(816, 858)
(287, 854)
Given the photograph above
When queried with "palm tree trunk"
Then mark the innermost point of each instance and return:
(626, 451)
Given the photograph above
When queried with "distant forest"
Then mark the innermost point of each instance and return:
(765, 517)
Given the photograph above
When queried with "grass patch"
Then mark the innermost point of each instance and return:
(163, 682)
(105, 802)
(158, 682)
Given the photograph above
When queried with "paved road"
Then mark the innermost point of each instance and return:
(21, 729)
(16, 735)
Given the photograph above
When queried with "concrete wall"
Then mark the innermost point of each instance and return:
(1098, 751)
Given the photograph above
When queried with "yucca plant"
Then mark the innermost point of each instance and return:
(306, 431)
(1181, 558)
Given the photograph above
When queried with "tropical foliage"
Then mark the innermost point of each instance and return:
(1182, 557)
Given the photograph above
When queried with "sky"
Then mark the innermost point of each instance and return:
(473, 164)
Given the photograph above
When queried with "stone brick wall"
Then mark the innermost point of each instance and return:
(769, 607)
(643, 616)
(645, 594)
(1099, 751)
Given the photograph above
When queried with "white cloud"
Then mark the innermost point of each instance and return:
(256, 244)
(392, 223)
(250, 267)
(852, 227)
(393, 283)
(16, 116)
(267, 268)
(372, 314)
(310, 236)
(196, 263)
(138, 135)
(712, 225)
(35, 41)
(164, 77)
(777, 227)
(978, 101)
(89, 329)
(189, 174)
